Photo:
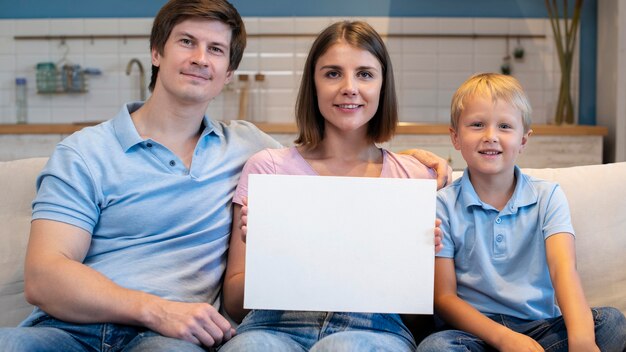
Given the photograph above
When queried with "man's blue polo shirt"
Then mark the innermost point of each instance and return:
(500, 256)
(156, 226)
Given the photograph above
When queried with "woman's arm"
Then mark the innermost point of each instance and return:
(561, 257)
(431, 160)
(463, 316)
(235, 270)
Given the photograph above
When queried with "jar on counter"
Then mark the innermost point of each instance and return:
(21, 106)
(47, 77)
(73, 78)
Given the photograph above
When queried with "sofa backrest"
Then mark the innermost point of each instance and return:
(17, 179)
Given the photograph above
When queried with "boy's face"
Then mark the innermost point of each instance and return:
(490, 136)
(194, 64)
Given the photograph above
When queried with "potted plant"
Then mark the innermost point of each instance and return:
(565, 39)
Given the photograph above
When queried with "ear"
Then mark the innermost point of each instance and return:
(229, 77)
(525, 140)
(156, 57)
(454, 137)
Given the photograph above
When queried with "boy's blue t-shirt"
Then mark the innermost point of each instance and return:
(500, 256)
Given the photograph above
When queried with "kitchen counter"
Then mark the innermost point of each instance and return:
(549, 146)
(288, 128)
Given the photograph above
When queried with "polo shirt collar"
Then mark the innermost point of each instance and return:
(128, 136)
(211, 126)
(124, 127)
(524, 194)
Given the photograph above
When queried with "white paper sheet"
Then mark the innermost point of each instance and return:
(340, 244)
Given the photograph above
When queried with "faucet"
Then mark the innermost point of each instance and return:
(142, 77)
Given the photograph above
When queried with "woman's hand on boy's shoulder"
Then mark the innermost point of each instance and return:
(435, 162)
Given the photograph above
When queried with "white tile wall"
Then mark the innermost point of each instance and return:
(428, 70)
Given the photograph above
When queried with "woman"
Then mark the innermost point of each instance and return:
(346, 105)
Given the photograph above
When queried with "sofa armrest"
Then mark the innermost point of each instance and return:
(18, 191)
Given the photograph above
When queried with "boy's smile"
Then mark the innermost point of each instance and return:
(490, 136)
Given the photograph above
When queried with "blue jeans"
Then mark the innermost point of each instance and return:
(610, 331)
(280, 331)
(50, 334)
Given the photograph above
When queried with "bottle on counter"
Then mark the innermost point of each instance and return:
(21, 106)
(259, 97)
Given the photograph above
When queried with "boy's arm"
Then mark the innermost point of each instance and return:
(461, 315)
(561, 257)
(235, 270)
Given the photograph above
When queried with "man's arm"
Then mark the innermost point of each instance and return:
(58, 282)
(433, 161)
(464, 316)
(561, 257)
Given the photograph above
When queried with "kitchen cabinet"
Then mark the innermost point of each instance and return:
(22, 146)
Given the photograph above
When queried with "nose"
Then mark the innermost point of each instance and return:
(490, 135)
(200, 57)
(350, 87)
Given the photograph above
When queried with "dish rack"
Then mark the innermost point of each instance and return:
(68, 79)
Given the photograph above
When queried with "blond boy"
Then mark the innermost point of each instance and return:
(509, 250)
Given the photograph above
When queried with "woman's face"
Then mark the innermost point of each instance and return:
(348, 81)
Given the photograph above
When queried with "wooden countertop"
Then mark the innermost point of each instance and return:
(277, 128)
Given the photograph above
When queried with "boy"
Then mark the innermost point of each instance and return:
(508, 241)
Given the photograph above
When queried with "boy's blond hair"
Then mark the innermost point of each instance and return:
(496, 86)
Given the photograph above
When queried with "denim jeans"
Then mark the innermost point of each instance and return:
(50, 334)
(280, 331)
(610, 331)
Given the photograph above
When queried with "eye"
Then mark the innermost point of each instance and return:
(505, 126)
(476, 124)
(216, 50)
(365, 74)
(186, 42)
(332, 74)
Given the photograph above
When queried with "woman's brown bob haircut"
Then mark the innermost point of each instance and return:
(176, 11)
(308, 116)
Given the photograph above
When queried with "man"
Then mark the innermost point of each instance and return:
(132, 217)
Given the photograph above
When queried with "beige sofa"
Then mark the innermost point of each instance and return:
(597, 197)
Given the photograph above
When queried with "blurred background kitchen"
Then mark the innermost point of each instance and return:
(101, 54)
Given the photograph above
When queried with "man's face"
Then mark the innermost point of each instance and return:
(194, 64)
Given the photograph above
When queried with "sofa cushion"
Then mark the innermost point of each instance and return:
(18, 190)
